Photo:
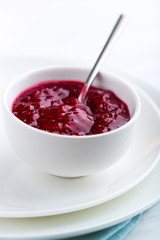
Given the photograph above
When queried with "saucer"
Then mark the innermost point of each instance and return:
(26, 192)
(135, 201)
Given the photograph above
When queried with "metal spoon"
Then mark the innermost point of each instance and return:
(106, 49)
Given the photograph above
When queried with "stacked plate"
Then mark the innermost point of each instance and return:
(34, 205)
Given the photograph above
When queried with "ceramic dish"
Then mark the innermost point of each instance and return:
(129, 204)
(61, 154)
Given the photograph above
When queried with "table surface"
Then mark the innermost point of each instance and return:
(73, 33)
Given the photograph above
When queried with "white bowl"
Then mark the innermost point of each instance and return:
(62, 155)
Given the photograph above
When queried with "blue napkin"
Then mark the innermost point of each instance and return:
(116, 232)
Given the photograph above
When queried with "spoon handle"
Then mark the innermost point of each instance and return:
(106, 49)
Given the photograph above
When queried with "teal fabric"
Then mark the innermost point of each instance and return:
(116, 232)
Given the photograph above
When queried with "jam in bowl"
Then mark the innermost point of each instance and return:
(49, 128)
(54, 107)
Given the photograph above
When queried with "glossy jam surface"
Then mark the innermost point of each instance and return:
(54, 107)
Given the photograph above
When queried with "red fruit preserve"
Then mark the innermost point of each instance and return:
(54, 107)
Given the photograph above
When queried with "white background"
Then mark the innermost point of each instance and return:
(73, 32)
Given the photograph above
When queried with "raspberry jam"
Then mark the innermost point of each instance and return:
(54, 107)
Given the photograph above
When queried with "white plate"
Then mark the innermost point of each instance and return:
(26, 192)
(140, 198)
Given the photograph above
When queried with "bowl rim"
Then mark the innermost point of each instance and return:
(21, 77)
